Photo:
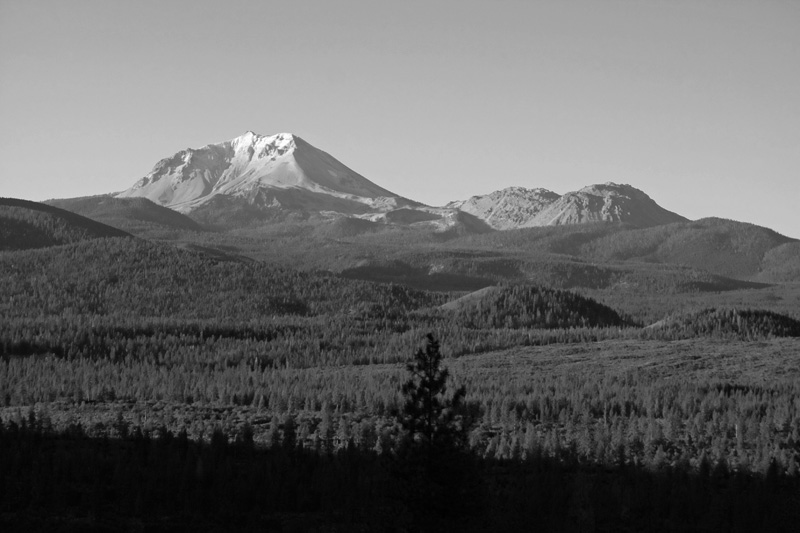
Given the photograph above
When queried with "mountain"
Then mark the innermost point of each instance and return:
(277, 171)
(608, 202)
(257, 178)
(25, 225)
(517, 207)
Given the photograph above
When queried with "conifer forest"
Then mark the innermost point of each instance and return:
(148, 385)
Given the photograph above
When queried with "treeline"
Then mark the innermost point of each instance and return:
(164, 481)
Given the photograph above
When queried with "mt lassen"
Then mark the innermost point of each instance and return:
(281, 170)
(285, 172)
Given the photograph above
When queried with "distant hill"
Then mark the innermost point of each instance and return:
(129, 214)
(529, 306)
(781, 263)
(723, 247)
(25, 225)
(725, 323)
(347, 227)
(720, 247)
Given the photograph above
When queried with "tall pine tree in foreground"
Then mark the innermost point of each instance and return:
(440, 478)
(433, 421)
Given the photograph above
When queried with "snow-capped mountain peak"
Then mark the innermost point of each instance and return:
(264, 145)
(280, 170)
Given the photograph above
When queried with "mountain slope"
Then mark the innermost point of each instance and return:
(128, 214)
(513, 207)
(273, 171)
(723, 247)
(781, 263)
(25, 225)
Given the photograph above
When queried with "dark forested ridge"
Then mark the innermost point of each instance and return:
(726, 323)
(25, 225)
(135, 215)
(522, 307)
(722, 247)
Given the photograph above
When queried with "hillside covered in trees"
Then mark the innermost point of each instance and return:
(25, 225)
(134, 215)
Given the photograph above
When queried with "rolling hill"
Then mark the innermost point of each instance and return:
(25, 225)
(129, 214)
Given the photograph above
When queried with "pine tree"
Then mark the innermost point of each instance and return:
(431, 419)
(441, 481)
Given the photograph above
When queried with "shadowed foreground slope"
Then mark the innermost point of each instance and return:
(162, 482)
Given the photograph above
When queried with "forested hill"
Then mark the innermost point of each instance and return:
(722, 247)
(129, 214)
(725, 323)
(133, 278)
(529, 306)
(25, 224)
(131, 299)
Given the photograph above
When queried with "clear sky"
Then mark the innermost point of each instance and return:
(696, 102)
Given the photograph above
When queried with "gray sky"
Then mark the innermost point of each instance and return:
(697, 103)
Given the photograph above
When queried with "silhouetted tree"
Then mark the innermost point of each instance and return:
(432, 420)
(441, 481)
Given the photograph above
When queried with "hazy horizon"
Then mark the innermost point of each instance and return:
(695, 103)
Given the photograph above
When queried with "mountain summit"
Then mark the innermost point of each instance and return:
(279, 170)
(607, 202)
